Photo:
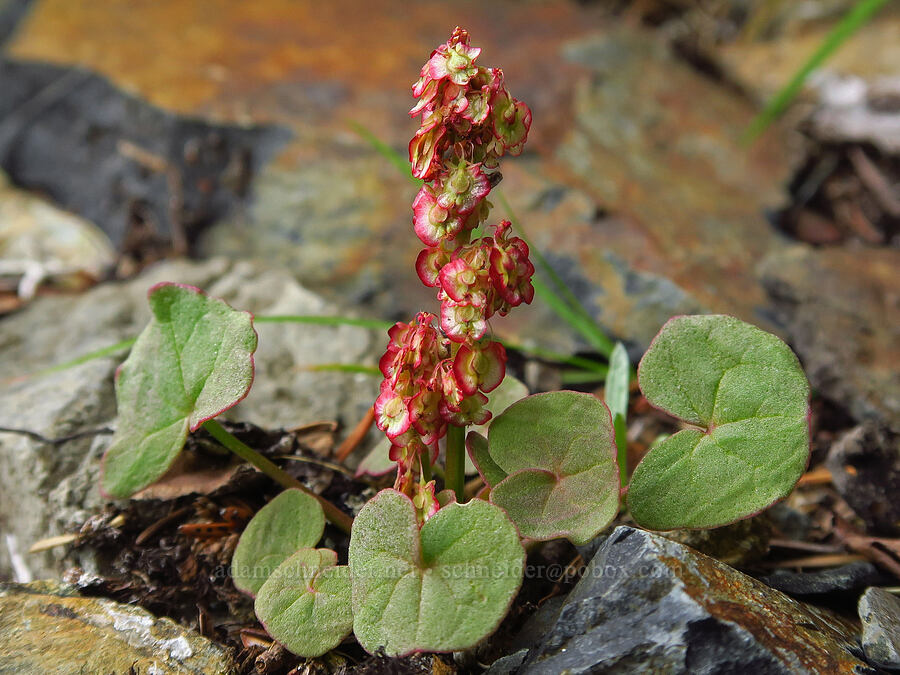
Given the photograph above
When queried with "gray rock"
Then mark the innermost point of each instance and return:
(507, 665)
(49, 489)
(843, 579)
(879, 612)
(844, 323)
(648, 604)
(51, 630)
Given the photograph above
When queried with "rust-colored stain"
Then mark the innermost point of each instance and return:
(285, 60)
(799, 636)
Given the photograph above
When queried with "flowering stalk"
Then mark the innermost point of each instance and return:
(436, 379)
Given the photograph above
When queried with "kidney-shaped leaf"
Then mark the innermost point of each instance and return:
(441, 588)
(305, 603)
(746, 391)
(559, 454)
(193, 361)
(292, 520)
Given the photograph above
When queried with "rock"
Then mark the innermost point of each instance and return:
(47, 628)
(622, 181)
(150, 179)
(879, 612)
(842, 310)
(646, 603)
(865, 467)
(39, 241)
(737, 544)
(11, 12)
(855, 111)
(763, 66)
(507, 665)
(48, 489)
(841, 580)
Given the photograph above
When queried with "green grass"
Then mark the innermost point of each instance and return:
(861, 12)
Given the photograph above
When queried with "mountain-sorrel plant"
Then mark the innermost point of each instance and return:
(427, 570)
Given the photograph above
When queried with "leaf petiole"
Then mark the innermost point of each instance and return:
(334, 515)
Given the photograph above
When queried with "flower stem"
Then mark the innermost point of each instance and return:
(337, 517)
(455, 468)
(425, 465)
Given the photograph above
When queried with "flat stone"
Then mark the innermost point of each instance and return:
(879, 612)
(842, 310)
(50, 489)
(648, 604)
(47, 628)
(833, 581)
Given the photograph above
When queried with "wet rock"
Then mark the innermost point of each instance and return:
(646, 603)
(149, 178)
(865, 467)
(836, 581)
(879, 612)
(655, 163)
(47, 628)
(47, 489)
(841, 308)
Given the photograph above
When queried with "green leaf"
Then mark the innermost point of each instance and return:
(193, 361)
(559, 453)
(306, 603)
(507, 392)
(746, 391)
(477, 445)
(442, 588)
(290, 521)
(616, 397)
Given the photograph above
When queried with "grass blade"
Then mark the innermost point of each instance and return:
(386, 151)
(861, 12)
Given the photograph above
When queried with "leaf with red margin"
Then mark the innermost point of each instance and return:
(558, 453)
(746, 391)
(443, 587)
(193, 361)
(306, 602)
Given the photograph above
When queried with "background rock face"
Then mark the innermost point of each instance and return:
(646, 603)
(46, 489)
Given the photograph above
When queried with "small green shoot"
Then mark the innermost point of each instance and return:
(616, 397)
(855, 19)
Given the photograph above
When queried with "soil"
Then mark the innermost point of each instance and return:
(171, 555)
